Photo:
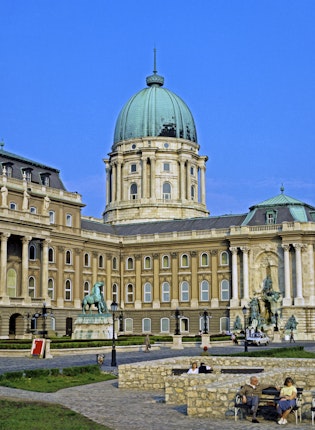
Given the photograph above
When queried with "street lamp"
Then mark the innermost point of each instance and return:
(205, 322)
(276, 318)
(177, 316)
(244, 310)
(114, 307)
(44, 316)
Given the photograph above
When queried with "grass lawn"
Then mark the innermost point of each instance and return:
(23, 415)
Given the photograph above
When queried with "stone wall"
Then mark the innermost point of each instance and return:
(212, 395)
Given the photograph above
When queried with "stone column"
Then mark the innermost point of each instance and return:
(44, 270)
(24, 277)
(287, 300)
(194, 301)
(235, 299)
(310, 247)
(214, 279)
(144, 177)
(4, 257)
(298, 300)
(77, 286)
(94, 267)
(156, 285)
(118, 196)
(153, 181)
(202, 184)
(107, 170)
(245, 251)
(188, 191)
(182, 181)
(60, 279)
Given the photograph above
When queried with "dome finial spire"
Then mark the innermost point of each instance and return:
(282, 188)
(155, 79)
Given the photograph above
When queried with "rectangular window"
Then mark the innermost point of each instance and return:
(166, 167)
(133, 168)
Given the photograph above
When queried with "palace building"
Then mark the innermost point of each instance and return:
(156, 248)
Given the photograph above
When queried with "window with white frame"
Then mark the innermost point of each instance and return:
(100, 261)
(115, 293)
(204, 291)
(166, 262)
(51, 217)
(224, 258)
(33, 210)
(225, 290)
(13, 206)
(224, 324)
(11, 283)
(129, 293)
(69, 220)
(184, 291)
(114, 263)
(146, 325)
(166, 167)
(129, 325)
(133, 192)
(68, 257)
(166, 191)
(147, 262)
(51, 289)
(147, 292)
(166, 292)
(86, 288)
(129, 263)
(87, 260)
(133, 168)
(51, 255)
(31, 287)
(184, 261)
(68, 290)
(165, 325)
(204, 259)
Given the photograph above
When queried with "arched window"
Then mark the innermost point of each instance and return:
(32, 252)
(133, 191)
(69, 220)
(165, 262)
(115, 293)
(129, 293)
(13, 206)
(224, 324)
(184, 291)
(146, 325)
(51, 288)
(129, 263)
(225, 290)
(52, 217)
(86, 288)
(100, 262)
(224, 258)
(31, 286)
(204, 291)
(147, 292)
(129, 325)
(166, 191)
(11, 283)
(166, 292)
(184, 262)
(68, 290)
(114, 263)
(51, 255)
(68, 257)
(204, 259)
(165, 325)
(147, 262)
(86, 260)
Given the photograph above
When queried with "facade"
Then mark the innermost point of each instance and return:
(156, 249)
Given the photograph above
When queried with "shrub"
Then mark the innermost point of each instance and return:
(35, 373)
(13, 375)
(72, 371)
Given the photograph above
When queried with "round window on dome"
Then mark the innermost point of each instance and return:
(166, 145)
(133, 146)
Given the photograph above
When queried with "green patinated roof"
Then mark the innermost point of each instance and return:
(280, 200)
(155, 111)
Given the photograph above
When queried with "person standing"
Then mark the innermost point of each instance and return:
(292, 336)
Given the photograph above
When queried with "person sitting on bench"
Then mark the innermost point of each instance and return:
(204, 369)
(251, 394)
(287, 400)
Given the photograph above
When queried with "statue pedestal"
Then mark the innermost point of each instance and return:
(277, 336)
(177, 342)
(93, 326)
(205, 341)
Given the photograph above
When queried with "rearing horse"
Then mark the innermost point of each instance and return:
(95, 298)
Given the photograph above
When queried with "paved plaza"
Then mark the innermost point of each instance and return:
(122, 409)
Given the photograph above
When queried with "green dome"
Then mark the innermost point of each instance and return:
(155, 111)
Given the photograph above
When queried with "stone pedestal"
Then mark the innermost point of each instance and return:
(47, 349)
(93, 326)
(205, 341)
(277, 336)
(177, 342)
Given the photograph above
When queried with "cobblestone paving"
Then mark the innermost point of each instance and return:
(122, 409)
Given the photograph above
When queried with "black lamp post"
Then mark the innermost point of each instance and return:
(244, 310)
(28, 317)
(114, 307)
(276, 318)
(205, 322)
(177, 316)
(44, 316)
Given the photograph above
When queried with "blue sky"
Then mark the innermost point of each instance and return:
(246, 69)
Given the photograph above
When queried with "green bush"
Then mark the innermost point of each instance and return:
(73, 371)
(36, 373)
(9, 376)
(55, 372)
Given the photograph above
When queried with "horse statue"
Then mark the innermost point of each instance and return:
(95, 298)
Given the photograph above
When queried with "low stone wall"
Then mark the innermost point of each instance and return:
(211, 395)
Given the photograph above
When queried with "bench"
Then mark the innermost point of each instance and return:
(180, 371)
(245, 370)
(267, 404)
